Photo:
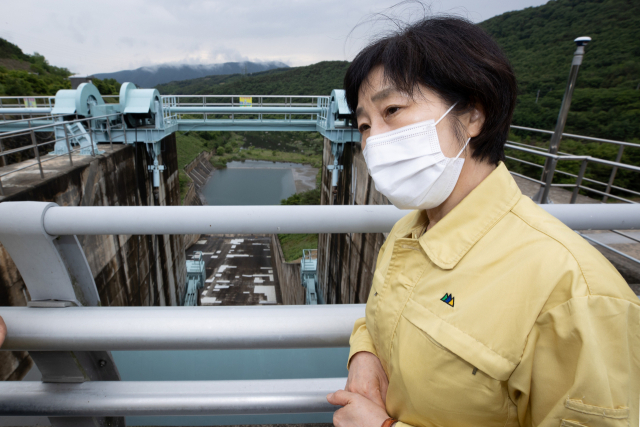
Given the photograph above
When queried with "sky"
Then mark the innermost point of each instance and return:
(90, 37)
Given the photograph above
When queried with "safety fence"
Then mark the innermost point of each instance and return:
(70, 336)
(551, 167)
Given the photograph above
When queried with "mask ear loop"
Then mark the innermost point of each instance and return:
(447, 112)
(442, 117)
(465, 146)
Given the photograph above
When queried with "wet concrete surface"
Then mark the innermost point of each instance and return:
(239, 270)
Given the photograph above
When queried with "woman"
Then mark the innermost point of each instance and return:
(484, 310)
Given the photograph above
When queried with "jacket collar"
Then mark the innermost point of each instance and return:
(455, 234)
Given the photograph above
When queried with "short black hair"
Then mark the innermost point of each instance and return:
(453, 57)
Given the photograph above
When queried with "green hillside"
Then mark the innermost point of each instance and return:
(315, 79)
(538, 41)
(22, 74)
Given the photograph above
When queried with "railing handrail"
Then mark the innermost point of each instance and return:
(571, 135)
(245, 96)
(172, 328)
(130, 398)
(151, 220)
(9, 134)
(575, 157)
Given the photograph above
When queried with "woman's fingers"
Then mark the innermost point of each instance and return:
(340, 397)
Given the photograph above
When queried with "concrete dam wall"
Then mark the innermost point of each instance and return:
(346, 262)
(128, 270)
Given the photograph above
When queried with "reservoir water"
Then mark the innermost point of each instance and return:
(251, 182)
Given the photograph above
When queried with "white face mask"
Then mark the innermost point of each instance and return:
(407, 165)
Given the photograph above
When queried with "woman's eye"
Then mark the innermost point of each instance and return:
(363, 128)
(392, 110)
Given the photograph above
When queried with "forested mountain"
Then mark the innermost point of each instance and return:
(538, 41)
(315, 79)
(147, 77)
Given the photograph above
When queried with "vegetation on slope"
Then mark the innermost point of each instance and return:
(315, 79)
(537, 40)
(25, 75)
(293, 244)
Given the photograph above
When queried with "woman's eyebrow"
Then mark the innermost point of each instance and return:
(384, 93)
(379, 96)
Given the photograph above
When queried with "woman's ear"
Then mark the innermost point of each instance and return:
(476, 121)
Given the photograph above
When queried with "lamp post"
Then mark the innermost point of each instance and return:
(549, 166)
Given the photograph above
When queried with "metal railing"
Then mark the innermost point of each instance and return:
(585, 161)
(36, 146)
(552, 163)
(291, 108)
(58, 277)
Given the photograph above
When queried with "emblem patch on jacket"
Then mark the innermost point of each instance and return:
(448, 299)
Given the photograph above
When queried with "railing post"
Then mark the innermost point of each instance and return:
(583, 168)
(36, 151)
(554, 144)
(66, 137)
(93, 153)
(109, 133)
(124, 129)
(4, 161)
(547, 184)
(613, 173)
(57, 275)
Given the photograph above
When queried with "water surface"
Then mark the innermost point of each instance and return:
(250, 183)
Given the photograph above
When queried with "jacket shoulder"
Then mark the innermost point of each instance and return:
(600, 276)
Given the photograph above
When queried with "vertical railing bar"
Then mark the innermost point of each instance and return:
(109, 133)
(549, 179)
(66, 137)
(576, 190)
(4, 161)
(124, 130)
(93, 153)
(36, 151)
(613, 173)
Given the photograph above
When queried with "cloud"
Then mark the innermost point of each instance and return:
(90, 38)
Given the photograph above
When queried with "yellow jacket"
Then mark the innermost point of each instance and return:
(500, 315)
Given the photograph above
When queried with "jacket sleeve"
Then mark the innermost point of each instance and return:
(360, 340)
(580, 366)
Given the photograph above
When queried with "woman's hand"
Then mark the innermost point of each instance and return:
(357, 411)
(367, 378)
(3, 331)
